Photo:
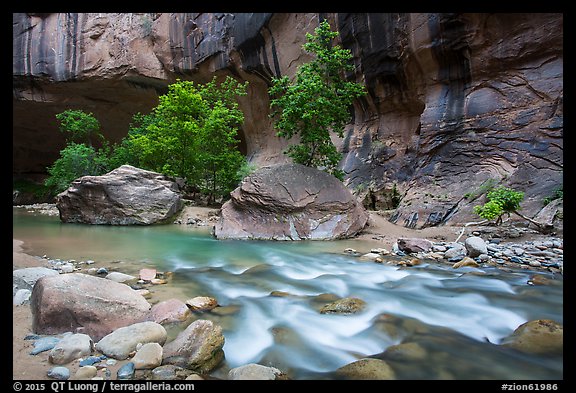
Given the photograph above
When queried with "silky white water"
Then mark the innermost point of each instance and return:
(458, 316)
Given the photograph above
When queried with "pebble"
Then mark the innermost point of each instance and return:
(90, 360)
(126, 371)
(102, 270)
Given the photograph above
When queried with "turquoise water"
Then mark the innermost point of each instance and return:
(457, 316)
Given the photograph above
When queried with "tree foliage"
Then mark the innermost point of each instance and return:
(79, 126)
(500, 200)
(317, 103)
(192, 133)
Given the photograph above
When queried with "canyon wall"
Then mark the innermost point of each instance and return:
(454, 101)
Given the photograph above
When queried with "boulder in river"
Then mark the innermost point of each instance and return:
(197, 348)
(541, 336)
(291, 202)
(368, 368)
(124, 196)
(255, 371)
(96, 306)
(347, 305)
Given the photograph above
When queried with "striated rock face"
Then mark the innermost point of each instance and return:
(454, 100)
(124, 196)
(290, 202)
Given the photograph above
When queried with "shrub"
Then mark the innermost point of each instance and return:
(500, 200)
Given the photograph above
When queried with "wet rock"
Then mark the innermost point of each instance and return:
(466, 261)
(198, 347)
(59, 372)
(70, 301)
(71, 347)
(126, 371)
(124, 196)
(201, 303)
(123, 341)
(291, 202)
(381, 251)
(169, 311)
(539, 279)
(475, 246)
(406, 351)
(541, 336)
(372, 256)
(348, 305)
(44, 344)
(367, 369)
(413, 245)
(148, 356)
(255, 371)
(86, 372)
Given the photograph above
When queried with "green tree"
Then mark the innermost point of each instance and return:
(501, 200)
(317, 103)
(79, 126)
(76, 160)
(191, 133)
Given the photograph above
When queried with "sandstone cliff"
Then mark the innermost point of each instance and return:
(454, 100)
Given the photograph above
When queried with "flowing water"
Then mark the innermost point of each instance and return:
(457, 317)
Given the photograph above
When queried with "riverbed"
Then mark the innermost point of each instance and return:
(270, 295)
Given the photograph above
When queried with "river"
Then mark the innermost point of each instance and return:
(456, 317)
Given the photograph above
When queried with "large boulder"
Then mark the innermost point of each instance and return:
(92, 305)
(291, 202)
(124, 196)
(541, 336)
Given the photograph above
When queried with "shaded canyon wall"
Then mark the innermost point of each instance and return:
(454, 100)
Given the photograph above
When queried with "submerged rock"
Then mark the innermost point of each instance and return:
(124, 196)
(291, 202)
(466, 261)
(347, 305)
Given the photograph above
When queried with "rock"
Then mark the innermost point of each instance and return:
(381, 251)
(539, 279)
(123, 341)
(44, 344)
(169, 311)
(124, 196)
(475, 246)
(198, 347)
(86, 372)
(541, 336)
(126, 371)
(102, 271)
(455, 250)
(438, 248)
(66, 302)
(201, 303)
(255, 371)
(367, 369)
(67, 268)
(291, 202)
(484, 257)
(371, 256)
(518, 251)
(120, 277)
(194, 377)
(413, 245)
(147, 274)
(348, 305)
(168, 372)
(406, 351)
(535, 263)
(90, 360)
(27, 277)
(59, 372)
(22, 296)
(466, 261)
(71, 347)
(147, 357)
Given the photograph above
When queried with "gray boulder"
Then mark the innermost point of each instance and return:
(475, 246)
(27, 277)
(124, 196)
(123, 341)
(291, 202)
(71, 347)
(255, 371)
(94, 305)
(197, 348)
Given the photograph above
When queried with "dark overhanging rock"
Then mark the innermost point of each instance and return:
(291, 202)
(124, 196)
